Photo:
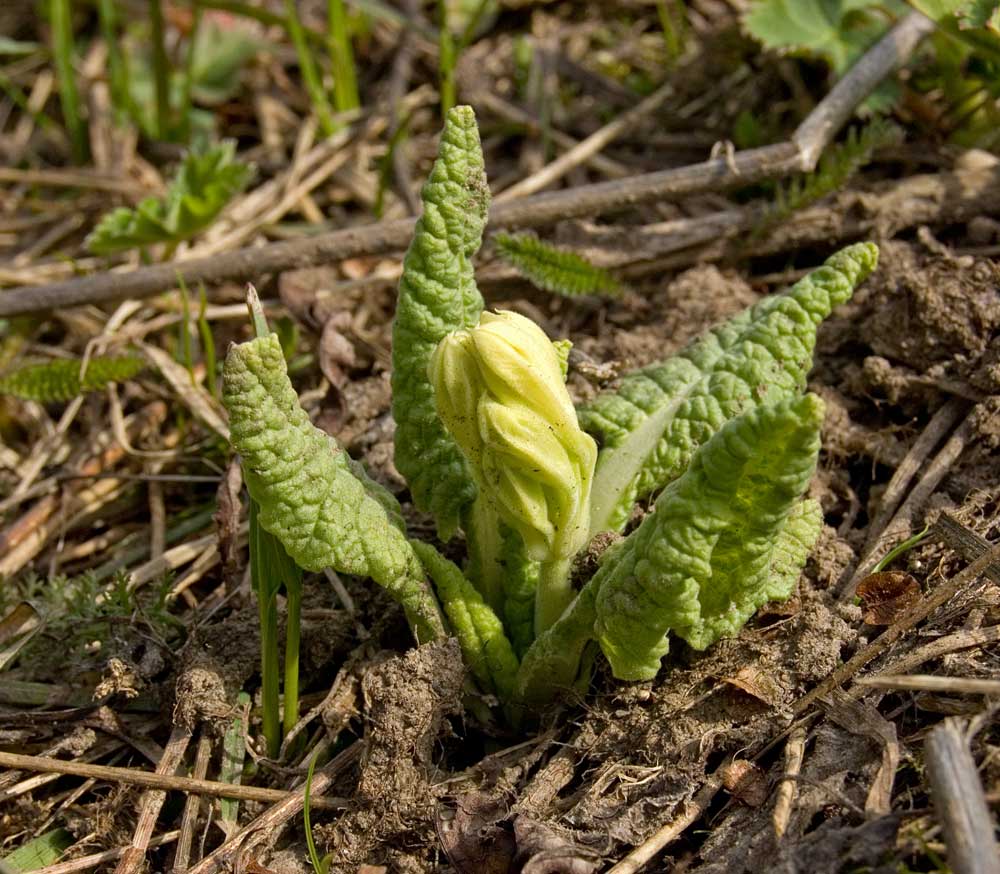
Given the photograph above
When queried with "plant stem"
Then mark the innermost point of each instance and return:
(208, 345)
(293, 636)
(61, 18)
(554, 595)
(345, 80)
(310, 73)
(261, 571)
(161, 68)
(552, 663)
(482, 531)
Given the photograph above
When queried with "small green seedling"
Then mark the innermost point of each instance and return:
(722, 437)
(205, 183)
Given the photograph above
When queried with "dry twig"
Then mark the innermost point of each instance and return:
(166, 782)
(958, 799)
(672, 830)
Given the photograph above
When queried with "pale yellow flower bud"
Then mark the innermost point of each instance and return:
(454, 374)
(500, 391)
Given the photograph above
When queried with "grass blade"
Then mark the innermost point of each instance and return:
(345, 80)
(310, 72)
(61, 18)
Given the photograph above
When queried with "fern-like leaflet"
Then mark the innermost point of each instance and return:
(556, 270)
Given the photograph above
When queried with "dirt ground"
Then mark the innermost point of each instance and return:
(128, 543)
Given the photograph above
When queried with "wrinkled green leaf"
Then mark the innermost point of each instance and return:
(729, 535)
(650, 427)
(205, 183)
(438, 295)
(480, 633)
(307, 492)
(700, 563)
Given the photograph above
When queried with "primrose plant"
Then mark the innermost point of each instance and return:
(722, 435)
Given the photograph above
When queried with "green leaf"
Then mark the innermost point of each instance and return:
(701, 563)
(57, 381)
(792, 548)
(556, 270)
(205, 183)
(480, 633)
(307, 491)
(651, 426)
(218, 56)
(976, 23)
(981, 13)
(838, 31)
(38, 853)
(231, 767)
(438, 295)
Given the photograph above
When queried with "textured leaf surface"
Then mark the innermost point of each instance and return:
(56, 381)
(838, 31)
(308, 495)
(556, 270)
(480, 633)
(205, 183)
(701, 563)
(438, 295)
(651, 426)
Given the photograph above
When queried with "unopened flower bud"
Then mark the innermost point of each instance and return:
(500, 391)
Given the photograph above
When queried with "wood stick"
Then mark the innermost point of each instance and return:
(901, 525)
(932, 683)
(151, 803)
(966, 638)
(958, 799)
(85, 863)
(738, 169)
(156, 781)
(587, 148)
(795, 748)
(940, 424)
(672, 830)
(291, 805)
(192, 807)
(964, 541)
